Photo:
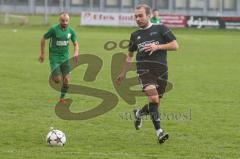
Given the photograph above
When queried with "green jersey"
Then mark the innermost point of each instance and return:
(155, 20)
(59, 39)
(59, 48)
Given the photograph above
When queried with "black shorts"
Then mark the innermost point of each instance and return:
(156, 76)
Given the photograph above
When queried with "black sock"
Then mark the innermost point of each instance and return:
(144, 110)
(153, 111)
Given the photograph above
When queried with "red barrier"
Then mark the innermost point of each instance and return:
(174, 21)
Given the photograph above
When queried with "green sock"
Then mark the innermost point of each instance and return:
(64, 90)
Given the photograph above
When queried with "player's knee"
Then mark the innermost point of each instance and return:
(153, 98)
(56, 80)
(152, 93)
(66, 80)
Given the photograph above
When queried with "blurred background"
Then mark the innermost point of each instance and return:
(186, 7)
(218, 8)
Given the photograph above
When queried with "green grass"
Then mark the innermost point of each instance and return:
(205, 74)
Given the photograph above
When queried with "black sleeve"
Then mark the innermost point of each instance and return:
(132, 45)
(167, 34)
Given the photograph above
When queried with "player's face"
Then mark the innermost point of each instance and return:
(64, 21)
(155, 14)
(141, 18)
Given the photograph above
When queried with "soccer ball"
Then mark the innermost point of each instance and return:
(56, 138)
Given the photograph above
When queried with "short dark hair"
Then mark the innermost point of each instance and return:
(155, 10)
(147, 8)
(63, 13)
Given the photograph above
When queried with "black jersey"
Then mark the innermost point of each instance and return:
(156, 33)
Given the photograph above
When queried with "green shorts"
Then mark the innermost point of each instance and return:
(60, 65)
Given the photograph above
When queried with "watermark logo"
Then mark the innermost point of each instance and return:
(109, 99)
(167, 116)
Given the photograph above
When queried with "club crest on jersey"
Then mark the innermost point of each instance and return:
(69, 35)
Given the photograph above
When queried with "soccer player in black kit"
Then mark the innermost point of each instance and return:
(151, 43)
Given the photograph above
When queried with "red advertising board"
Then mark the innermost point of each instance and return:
(174, 21)
(230, 22)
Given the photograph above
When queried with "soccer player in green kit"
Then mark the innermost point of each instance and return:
(59, 36)
(155, 18)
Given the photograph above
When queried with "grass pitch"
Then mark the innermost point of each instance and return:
(205, 74)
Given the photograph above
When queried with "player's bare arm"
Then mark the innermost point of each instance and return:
(76, 51)
(42, 53)
(171, 46)
(126, 66)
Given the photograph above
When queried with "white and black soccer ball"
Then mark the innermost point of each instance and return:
(56, 138)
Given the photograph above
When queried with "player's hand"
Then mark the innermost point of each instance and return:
(75, 58)
(41, 58)
(151, 48)
(120, 78)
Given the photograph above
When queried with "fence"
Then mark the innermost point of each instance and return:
(183, 7)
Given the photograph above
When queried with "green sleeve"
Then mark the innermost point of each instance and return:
(73, 37)
(49, 33)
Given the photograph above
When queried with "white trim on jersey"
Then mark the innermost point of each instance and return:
(149, 26)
